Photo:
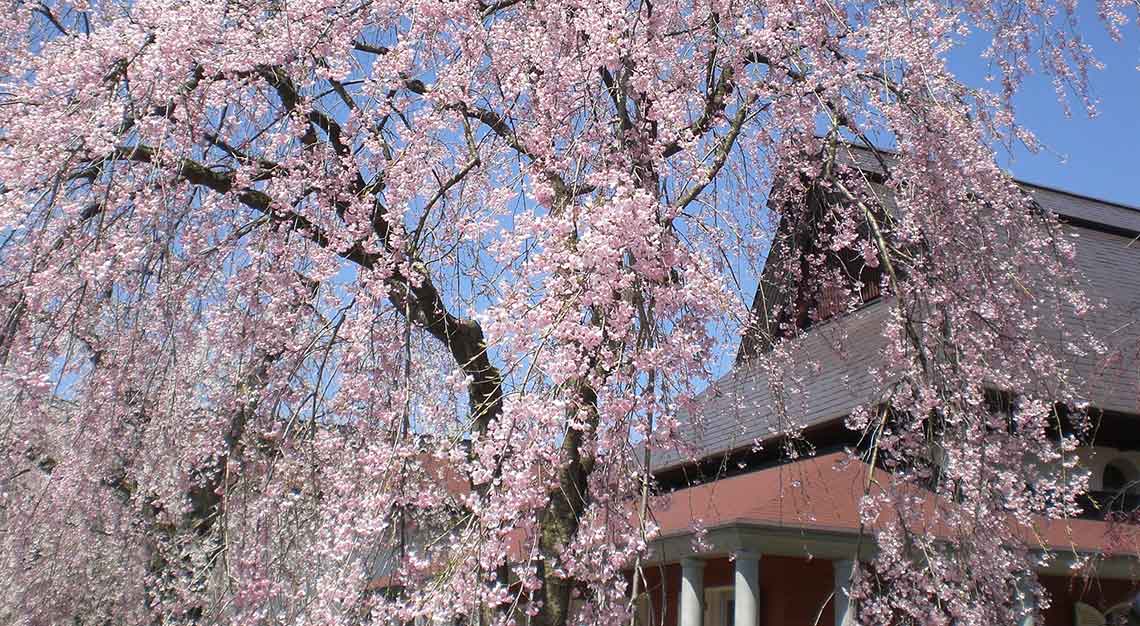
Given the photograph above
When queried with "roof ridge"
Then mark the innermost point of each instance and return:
(1020, 181)
(1074, 194)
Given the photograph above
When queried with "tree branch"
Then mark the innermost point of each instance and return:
(721, 155)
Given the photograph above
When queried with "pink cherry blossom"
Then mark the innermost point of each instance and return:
(302, 303)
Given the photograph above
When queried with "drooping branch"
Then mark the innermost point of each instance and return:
(463, 338)
(714, 105)
(720, 155)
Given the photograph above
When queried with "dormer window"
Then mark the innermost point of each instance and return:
(832, 300)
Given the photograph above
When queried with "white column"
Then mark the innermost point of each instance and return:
(1025, 599)
(747, 588)
(691, 611)
(844, 607)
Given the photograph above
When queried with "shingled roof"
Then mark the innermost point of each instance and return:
(828, 376)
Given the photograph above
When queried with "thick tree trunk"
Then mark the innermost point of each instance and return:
(561, 519)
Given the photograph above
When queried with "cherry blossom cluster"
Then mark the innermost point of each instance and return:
(333, 311)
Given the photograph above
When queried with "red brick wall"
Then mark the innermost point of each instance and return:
(663, 584)
(794, 592)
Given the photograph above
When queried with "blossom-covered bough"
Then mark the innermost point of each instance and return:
(342, 311)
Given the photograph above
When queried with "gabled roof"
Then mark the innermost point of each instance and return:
(828, 373)
(1086, 209)
(1089, 211)
(828, 377)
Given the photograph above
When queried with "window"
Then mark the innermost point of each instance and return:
(1120, 487)
(1114, 479)
(1119, 476)
(720, 606)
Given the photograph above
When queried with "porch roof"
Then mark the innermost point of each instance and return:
(822, 494)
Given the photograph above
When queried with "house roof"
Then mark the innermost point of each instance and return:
(1059, 201)
(1084, 208)
(826, 376)
(827, 372)
(823, 494)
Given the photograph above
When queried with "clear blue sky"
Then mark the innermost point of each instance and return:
(1101, 156)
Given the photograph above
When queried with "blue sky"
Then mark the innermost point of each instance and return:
(1096, 157)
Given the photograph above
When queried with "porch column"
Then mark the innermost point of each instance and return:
(841, 598)
(691, 611)
(1025, 598)
(747, 588)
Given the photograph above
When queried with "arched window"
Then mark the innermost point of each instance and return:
(1119, 476)
(1114, 478)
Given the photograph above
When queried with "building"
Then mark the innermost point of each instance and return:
(782, 535)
